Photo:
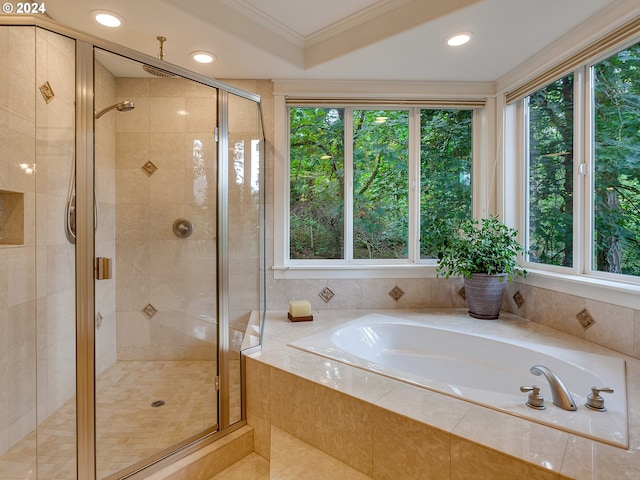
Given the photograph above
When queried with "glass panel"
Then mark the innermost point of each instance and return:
(156, 326)
(550, 229)
(37, 272)
(380, 184)
(244, 238)
(446, 158)
(316, 183)
(617, 174)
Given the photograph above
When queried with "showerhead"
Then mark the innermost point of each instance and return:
(155, 71)
(121, 107)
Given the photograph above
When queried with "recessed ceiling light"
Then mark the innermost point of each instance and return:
(107, 18)
(203, 57)
(458, 39)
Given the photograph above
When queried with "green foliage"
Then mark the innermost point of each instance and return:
(380, 179)
(445, 171)
(474, 246)
(381, 184)
(617, 163)
(316, 183)
(551, 174)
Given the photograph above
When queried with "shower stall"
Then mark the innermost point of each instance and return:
(131, 255)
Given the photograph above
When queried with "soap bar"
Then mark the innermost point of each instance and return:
(299, 308)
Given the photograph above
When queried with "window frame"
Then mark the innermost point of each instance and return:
(581, 279)
(411, 267)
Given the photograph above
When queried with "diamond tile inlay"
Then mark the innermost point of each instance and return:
(149, 168)
(396, 293)
(326, 294)
(462, 293)
(585, 318)
(518, 298)
(47, 92)
(149, 311)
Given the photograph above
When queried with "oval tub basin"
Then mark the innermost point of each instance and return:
(485, 370)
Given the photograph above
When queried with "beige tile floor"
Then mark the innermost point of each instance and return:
(291, 459)
(128, 428)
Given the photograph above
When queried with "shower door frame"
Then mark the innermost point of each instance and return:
(85, 249)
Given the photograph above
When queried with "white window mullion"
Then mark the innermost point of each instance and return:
(582, 164)
(584, 213)
(348, 184)
(414, 185)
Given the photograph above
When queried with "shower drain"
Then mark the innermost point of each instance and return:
(157, 403)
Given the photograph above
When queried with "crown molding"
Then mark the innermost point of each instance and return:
(258, 16)
(361, 17)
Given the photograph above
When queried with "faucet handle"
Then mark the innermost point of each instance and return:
(535, 400)
(595, 401)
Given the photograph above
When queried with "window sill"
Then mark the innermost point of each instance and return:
(608, 291)
(328, 271)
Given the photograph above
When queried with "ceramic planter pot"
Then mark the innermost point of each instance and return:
(484, 295)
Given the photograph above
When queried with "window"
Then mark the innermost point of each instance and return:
(316, 196)
(609, 171)
(616, 160)
(445, 170)
(351, 173)
(550, 174)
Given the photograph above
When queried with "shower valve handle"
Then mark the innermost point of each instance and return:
(535, 400)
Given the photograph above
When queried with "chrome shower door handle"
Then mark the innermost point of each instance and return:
(70, 219)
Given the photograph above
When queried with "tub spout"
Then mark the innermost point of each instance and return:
(561, 396)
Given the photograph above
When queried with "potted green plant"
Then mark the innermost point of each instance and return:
(484, 252)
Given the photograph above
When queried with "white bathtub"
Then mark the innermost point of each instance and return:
(484, 370)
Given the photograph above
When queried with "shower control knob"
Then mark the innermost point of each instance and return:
(182, 228)
(535, 400)
(595, 401)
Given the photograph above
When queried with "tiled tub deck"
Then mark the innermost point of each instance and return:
(389, 429)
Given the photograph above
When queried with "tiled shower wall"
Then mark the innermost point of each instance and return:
(37, 301)
(165, 170)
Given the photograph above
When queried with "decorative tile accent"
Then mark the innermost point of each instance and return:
(326, 294)
(98, 320)
(149, 311)
(585, 318)
(462, 293)
(149, 168)
(518, 298)
(47, 92)
(396, 293)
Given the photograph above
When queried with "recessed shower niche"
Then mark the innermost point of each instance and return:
(11, 218)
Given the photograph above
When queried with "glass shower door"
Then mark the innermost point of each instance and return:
(156, 310)
(242, 249)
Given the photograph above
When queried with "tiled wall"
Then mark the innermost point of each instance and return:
(37, 302)
(165, 169)
(606, 324)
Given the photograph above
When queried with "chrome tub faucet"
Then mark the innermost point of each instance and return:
(561, 396)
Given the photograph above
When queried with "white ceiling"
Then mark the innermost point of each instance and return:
(338, 39)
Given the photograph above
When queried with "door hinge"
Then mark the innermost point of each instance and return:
(216, 383)
(215, 134)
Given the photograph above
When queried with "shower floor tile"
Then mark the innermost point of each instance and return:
(129, 429)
